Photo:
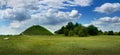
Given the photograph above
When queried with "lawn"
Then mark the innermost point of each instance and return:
(60, 45)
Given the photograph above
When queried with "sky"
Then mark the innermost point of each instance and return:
(18, 15)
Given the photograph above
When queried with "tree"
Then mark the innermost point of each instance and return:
(66, 32)
(105, 33)
(119, 33)
(110, 33)
(76, 25)
(116, 33)
(70, 26)
(61, 31)
(77, 28)
(70, 33)
(100, 32)
(92, 30)
(82, 32)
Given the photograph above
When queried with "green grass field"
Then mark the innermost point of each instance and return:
(60, 45)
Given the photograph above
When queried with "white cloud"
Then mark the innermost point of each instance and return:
(24, 13)
(5, 13)
(51, 19)
(19, 14)
(108, 23)
(108, 8)
(15, 24)
(7, 30)
(81, 2)
(61, 4)
(23, 9)
(74, 13)
(2, 2)
(46, 3)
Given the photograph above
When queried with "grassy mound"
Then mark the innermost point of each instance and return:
(36, 30)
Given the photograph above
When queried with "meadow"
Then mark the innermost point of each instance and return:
(60, 45)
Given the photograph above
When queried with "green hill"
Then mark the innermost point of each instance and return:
(36, 30)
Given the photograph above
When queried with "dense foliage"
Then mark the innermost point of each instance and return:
(78, 29)
(111, 33)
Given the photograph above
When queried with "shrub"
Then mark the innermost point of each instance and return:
(71, 33)
(82, 32)
(92, 30)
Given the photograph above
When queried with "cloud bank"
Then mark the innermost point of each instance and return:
(108, 8)
(24, 13)
(107, 23)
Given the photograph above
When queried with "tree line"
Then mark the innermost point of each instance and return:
(78, 29)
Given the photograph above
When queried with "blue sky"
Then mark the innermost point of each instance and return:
(90, 15)
(17, 15)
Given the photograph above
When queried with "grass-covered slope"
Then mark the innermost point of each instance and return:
(36, 30)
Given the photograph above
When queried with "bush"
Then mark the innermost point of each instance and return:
(110, 33)
(66, 32)
(92, 30)
(77, 29)
(118, 33)
(70, 26)
(82, 32)
(70, 33)
(100, 32)
(61, 31)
